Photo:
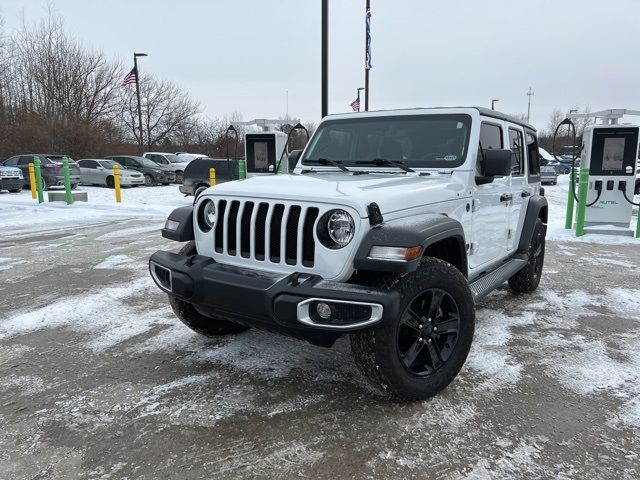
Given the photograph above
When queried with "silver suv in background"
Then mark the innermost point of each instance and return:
(170, 161)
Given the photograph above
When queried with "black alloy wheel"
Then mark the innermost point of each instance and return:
(428, 332)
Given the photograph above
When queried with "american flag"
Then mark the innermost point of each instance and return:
(132, 77)
(356, 105)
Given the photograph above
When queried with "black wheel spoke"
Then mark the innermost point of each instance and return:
(436, 301)
(410, 356)
(434, 354)
(448, 325)
(413, 320)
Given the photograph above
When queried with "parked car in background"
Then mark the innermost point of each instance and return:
(170, 161)
(548, 175)
(545, 157)
(51, 170)
(187, 157)
(196, 175)
(97, 171)
(153, 173)
(11, 179)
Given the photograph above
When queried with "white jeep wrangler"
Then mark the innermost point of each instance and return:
(392, 225)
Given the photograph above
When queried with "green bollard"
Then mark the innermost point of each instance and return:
(242, 169)
(67, 180)
(583, 189)
(36, 166)
(638, 224)
(568, 224)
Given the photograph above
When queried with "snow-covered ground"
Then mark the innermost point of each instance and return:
(19, 213)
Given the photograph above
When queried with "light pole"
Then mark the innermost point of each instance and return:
(325, 58)
(493, 103)
(529, 94)
(135, 64)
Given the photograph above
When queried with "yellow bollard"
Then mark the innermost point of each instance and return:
(32, 181)
(212, 177)
(116, 182)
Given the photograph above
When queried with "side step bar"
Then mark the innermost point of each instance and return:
(488, 282)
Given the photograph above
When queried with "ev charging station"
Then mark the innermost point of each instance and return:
(263, 149)
(607, 175)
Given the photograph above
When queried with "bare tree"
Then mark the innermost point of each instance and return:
(167, 111)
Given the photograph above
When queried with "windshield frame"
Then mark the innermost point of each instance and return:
(466, 118)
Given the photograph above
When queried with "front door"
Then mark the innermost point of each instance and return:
(490, 205)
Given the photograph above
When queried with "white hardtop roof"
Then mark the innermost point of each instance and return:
(473, 111)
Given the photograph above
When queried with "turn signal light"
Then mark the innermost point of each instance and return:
(396, 253)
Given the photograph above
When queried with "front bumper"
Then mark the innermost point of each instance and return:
(128, 181)
(261, 299)
(11, 183)
(73, 180)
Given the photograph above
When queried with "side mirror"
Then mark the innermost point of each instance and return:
(497, 163)
(294, 156)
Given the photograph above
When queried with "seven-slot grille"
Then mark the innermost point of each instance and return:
(266, 231)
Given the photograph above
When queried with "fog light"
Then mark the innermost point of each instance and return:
(324, 310)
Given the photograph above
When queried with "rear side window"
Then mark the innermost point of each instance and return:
(25, 160)
(517, 153)
(534, 155)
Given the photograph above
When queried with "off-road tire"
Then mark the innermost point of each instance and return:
(528, 279)
(376, 351)
(208, 326)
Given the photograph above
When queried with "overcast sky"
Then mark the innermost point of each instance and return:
(243, 55)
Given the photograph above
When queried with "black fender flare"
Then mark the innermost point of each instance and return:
(537, 207)
(418, 230)
(184, 231)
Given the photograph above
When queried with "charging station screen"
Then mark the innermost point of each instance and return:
(614, 150)
(613, 154)
(261, 155)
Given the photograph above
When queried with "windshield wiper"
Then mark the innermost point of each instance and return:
(326, 161)
(383, 161)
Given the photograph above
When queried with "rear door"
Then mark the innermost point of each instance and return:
(490, 211)
(519, 190)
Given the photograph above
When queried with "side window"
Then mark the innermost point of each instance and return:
(490, 138)
(25, 160)
(534, 155)
(129, 163)
(517, 153)
(12, 162)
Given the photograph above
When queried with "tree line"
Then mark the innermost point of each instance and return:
(58, 96)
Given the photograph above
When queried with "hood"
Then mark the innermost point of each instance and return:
(10, 171)
(392, 192)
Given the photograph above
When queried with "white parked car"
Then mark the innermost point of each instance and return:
(392, 226)
(171, 161)
(187, 157)
(98, 171)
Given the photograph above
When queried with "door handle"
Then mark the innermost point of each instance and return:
(506, 197)
(525, 193)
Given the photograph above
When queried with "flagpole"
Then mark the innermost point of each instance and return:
(135, 65)
(366, 65)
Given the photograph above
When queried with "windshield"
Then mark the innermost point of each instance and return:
(109, 164)
(172, 158)
(428, 141)
(148, 163)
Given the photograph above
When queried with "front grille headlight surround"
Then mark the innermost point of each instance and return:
(336, 229)
(206, 215)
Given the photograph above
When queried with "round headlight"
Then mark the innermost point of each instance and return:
(207, 215)
(340, 228)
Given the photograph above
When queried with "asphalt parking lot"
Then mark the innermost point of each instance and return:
(99, 380)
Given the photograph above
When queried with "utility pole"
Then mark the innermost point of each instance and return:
(367, 55)
(135, 64)
(325, 58)
(529, 94)
(493, 102)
